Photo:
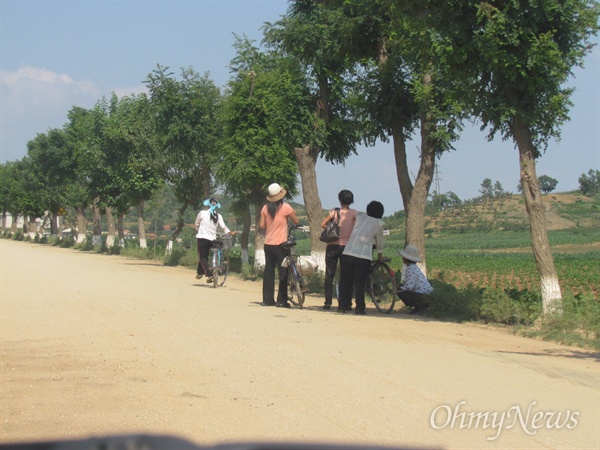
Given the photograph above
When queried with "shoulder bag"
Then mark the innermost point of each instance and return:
(331, 233)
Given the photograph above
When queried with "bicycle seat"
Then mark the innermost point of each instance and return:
(289, 243)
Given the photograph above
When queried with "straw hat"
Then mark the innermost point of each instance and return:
(276, 193)
(411, 253)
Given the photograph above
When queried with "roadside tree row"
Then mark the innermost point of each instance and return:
(330, 75)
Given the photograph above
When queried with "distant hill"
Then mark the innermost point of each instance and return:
(562, 211)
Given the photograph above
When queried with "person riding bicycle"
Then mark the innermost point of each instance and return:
(206, 225)
(416, 285)
(358, 255)
(333, 253)
(273, 220)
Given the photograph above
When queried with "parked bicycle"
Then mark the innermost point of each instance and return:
(381, 285)
(219, 258)
(295, 267)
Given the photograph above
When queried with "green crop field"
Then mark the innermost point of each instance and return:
(503, 258)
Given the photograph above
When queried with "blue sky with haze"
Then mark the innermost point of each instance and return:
(58, 54)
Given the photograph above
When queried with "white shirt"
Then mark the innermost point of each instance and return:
(415, 281)
(366, 232)
(207, 229)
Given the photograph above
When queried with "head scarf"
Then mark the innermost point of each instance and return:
(213, 208)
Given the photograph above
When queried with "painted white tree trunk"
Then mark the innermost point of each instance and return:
(259, 259)
(319, 257)
(141, 227)
(551, 295)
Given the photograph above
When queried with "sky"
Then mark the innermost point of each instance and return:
(58, 54)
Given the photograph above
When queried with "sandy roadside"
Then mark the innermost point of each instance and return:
(93, 345)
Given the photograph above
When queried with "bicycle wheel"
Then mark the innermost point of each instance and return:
(216, 258)
(224, 272)
(215, 277)
(295, 286)
(382, 287)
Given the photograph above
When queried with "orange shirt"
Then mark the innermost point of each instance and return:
(276, 230)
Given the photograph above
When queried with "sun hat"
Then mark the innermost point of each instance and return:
(411, 253)
(276, 193)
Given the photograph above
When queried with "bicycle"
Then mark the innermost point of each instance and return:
(296, 283)
(381, 285)
(219, 258)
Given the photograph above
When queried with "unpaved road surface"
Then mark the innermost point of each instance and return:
(94, 345)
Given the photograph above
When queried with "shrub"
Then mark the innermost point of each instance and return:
(449, 302)
(86, 245)
(496, 306)
(17, 236)
(176, 255)
(67, 242)
(188, 259)
(578, 324)
(248, 272)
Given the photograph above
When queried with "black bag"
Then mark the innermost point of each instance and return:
(331, 233)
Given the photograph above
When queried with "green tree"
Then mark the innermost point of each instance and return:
(81, 139)
(515, 58)
(20, 192)
(132, 175)
(265, 92)
(188, 131)
(322, 123)
(590, 184)
(52, 164)
(391, 45)
(547, 184)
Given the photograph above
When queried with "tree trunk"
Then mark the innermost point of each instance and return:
(402, 173)
(97, 233)
(32, 229)
(81, 225)
(141, 227)
(54, 223)
(110, 227)
(13, 222)
(120, 230)
(415, 218)
(550, 286)
(177, 229)
(306, 157)
(245, 240)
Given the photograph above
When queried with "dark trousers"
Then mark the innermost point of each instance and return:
(333, 255)
(354, 273)
(413, 299)
(204, 246)
(274, 256)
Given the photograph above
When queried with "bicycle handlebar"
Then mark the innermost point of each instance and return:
(298, 227)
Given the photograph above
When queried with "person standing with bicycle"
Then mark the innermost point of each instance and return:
(358, 255)
(273, 220)
(345, 218)
(206, 225)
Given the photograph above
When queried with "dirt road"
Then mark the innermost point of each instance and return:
(95, 345)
